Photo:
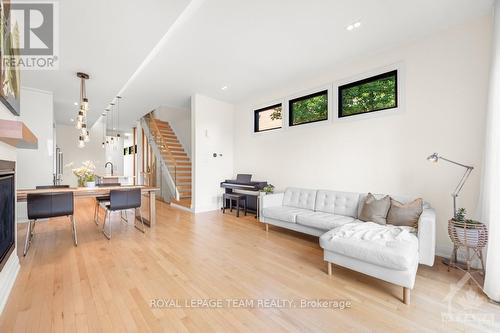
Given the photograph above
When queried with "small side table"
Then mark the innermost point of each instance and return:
(236, 197)
(472, 236)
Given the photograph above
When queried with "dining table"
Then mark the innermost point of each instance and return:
(148, 192)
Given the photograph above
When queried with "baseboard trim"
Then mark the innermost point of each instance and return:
(181, 207)
(8, 276)
(445, 252)
(205, 209)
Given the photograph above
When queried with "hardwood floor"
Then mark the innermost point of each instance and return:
(108, 286)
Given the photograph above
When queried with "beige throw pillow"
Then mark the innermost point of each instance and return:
(405, 214)
(375, 210)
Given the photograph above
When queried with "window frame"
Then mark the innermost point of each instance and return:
(304, 97)
(256, 118)
(371, 78)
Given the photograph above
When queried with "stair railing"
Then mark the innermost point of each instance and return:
(168, 170)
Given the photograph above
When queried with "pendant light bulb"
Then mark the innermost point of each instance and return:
(85, 104)
(81, 119)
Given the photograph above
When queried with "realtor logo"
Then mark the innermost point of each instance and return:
(30, 35)
(465, 305)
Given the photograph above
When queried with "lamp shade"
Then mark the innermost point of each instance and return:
(433, 158)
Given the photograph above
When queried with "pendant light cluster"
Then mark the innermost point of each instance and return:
(111, 126)
(81, 119)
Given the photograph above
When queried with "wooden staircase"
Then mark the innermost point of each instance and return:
(176, 159)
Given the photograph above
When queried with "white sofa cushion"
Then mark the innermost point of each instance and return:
(283, 213)
(299, 198)
(339, 203)
(323, 221)
(388, 246)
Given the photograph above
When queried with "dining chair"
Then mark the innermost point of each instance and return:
(103, 199)
(47, 205)
(121, 200)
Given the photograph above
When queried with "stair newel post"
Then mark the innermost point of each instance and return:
(161, 181)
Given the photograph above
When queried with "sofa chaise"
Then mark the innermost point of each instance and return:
(387, 252)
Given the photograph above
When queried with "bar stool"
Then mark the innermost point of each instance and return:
(120, 200)
(236, 197)
(47, 205)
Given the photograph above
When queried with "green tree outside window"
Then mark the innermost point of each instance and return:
(378, 94)
(309, 109)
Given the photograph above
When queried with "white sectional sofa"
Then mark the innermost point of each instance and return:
(387, 252)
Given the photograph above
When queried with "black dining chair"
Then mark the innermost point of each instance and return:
(47, 205)
(120, 200)
(103, 199)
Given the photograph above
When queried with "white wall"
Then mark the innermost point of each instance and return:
(37, 112)
(180, 121)
(67, 140)
(212, 128)
(446, 89)
(9, 271)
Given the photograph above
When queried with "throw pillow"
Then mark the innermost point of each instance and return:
(405, 214)
(375, 210)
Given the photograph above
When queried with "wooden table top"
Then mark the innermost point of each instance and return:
(83, 191)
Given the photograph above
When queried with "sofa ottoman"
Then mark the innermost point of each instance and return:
(387, 252)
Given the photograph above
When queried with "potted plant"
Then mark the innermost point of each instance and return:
(467, 232)
(268, 189)
(90, 181)
(85, 174)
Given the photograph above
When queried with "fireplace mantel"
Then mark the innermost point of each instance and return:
(17, 134)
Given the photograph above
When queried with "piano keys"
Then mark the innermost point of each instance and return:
(243, 184)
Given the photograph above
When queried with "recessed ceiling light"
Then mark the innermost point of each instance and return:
(104, 114)
(224, 88)
(76, 103)
(353, 26)
(72, 120)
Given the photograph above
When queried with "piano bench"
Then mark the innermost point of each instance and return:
(236, 197)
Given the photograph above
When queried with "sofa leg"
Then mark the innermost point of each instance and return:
(406, 295)
(330, 268)
(267, 227)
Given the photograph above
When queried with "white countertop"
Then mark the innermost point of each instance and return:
(114, 176)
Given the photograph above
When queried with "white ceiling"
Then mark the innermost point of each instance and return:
(106, 39)
(250, 46)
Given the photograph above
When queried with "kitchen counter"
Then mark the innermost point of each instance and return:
(113, 176)
(107, 179)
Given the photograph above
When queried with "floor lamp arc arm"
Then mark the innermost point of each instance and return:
(462, 181)
(456, 163)
(435, 157)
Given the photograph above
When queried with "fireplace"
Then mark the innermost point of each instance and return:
(7, 210)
